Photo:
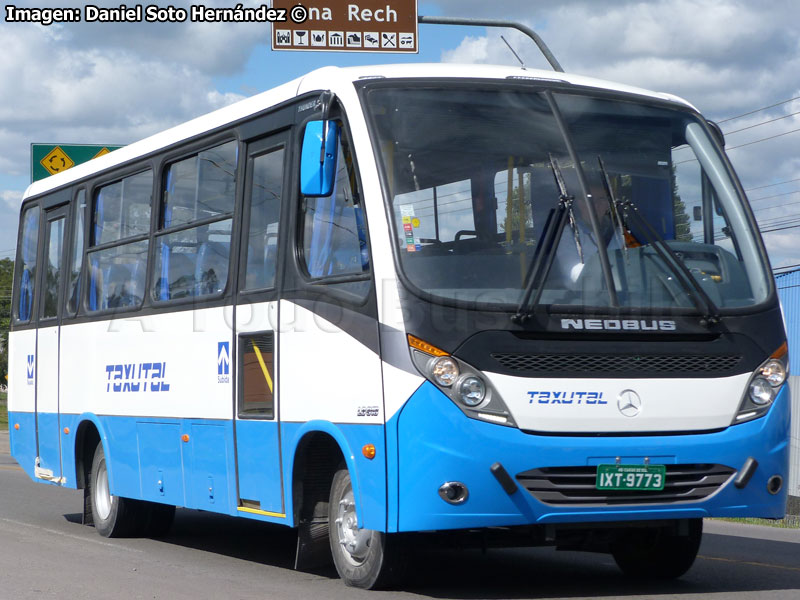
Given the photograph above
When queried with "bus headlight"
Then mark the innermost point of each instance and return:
(471, 390)
(761, 392)
(774, 372)
(763, 387)
(466, 386)
(444, 370)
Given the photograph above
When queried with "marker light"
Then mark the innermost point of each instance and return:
(444, 370)
(424, 346)
(368, 450)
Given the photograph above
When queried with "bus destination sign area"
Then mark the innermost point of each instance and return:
(347, 26)
(50, 159)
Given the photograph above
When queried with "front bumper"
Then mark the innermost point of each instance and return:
(437, 443)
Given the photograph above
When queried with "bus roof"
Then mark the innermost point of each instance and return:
(333, 78)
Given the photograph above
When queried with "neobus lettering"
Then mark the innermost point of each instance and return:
(618, 324)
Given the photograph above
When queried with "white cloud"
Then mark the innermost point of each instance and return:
(12, 198)
(111, 83)
(726, 57)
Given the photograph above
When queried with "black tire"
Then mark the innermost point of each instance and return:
(113, 516)
(658, 553)
(364, 558)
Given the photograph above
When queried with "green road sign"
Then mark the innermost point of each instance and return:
(49, 159)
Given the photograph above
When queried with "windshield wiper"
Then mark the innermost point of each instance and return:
(545, 254)
(691, 286)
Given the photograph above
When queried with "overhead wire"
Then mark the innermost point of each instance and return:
(757, 110)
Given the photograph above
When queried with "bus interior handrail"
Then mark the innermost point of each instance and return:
(496, 23)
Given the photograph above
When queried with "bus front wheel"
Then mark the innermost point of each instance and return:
(364, 558)
(113, 516)
(658, 553)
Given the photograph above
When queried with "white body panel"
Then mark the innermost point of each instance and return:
(184, 345)
(21, 372)
(665, 404)
(327, 374)
(47, 370)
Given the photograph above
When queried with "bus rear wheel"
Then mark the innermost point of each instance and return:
(113, 516)
(658, 553)
(364, 558)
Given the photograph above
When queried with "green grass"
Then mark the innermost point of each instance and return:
(3, 410)
(789, 522)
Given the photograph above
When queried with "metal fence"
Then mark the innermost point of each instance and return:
(794, 455)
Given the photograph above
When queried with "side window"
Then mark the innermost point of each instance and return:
(334, 234)
(264, 212)
(117, 274)
(193, 252)
(200, 187)
(122, 209)
(53, 258)
(256, 372)
(28, 250)
(73, 285)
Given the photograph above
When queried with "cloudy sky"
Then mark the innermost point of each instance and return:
(116, 83)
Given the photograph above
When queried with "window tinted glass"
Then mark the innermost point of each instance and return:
(334, 236)
(122, 209)
(53, 258)
(200, 187)
(73, 287)
(265, 206)
(28, 250)
(117, 275)
(256, 375)
(192, 262)
(491, 169)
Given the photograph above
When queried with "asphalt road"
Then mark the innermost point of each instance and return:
(46, 553)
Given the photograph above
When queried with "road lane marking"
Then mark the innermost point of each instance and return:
(10, 468)
(749, 563)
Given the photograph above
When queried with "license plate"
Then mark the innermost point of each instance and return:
(631, 477)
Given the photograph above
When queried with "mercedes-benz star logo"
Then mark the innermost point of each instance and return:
(629, 403)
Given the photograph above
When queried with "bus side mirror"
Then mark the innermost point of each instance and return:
(318, 158)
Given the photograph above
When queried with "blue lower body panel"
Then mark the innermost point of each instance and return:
(437, 443)
(191, 462)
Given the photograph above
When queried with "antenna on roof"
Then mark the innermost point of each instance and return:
(513, 52)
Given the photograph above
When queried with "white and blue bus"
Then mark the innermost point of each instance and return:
(377, 302)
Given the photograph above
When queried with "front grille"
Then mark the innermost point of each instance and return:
(617, 363)
(575, 486)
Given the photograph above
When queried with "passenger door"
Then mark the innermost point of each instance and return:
(257, 432)
(51, 289)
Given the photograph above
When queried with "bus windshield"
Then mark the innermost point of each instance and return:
(506, 194)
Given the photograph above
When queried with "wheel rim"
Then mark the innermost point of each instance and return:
(353, 540)
(102, 496)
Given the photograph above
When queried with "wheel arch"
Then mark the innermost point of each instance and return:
(316, 451)
(89, 433)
